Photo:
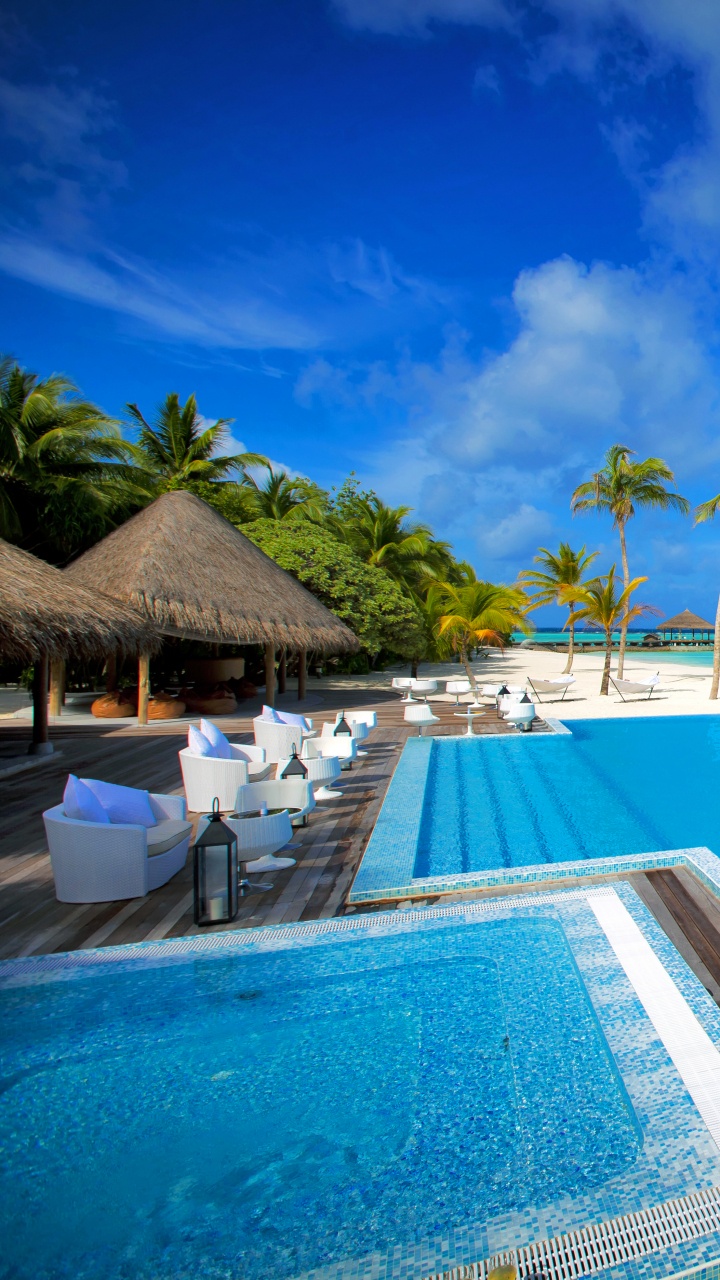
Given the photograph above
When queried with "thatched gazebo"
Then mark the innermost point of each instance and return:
(44, 618)
(194, 575)
(687, 621)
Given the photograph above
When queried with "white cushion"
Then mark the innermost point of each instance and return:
(80, 803)
(269, 713)
(198, 743)
(219, 743)
(166, 834)
(289, 717)
(123, 804)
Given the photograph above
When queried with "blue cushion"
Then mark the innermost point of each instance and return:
(198, 743)
(269, 713)
(123, 804)
(289, 717)
(219, 743)
(80, 803)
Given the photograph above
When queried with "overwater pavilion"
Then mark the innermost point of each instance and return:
(684, 622)
(44, 619)
(193, 575)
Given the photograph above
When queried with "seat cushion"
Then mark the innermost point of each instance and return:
(81, 804)
(166, 834)
(123, 804)
(219, 743)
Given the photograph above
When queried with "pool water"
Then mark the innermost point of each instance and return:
(265, 1114)
(613, 787)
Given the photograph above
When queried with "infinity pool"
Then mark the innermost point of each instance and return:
(612, 787)
(270, 1113)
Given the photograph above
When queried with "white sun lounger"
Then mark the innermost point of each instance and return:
(558, 684)
(627, 687)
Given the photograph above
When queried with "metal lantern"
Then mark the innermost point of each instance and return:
(216, 871)
(342, 727)
(294, 767)
(525, 697)
(502, 692)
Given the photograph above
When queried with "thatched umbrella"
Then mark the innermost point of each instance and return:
(44, 618)
(194, 575)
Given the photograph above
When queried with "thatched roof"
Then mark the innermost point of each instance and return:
(184, 566)
(685, 621)
(42, 612)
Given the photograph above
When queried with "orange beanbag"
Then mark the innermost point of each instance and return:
(114, 706)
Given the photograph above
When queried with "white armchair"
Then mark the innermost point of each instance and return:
(424, 687)
(344, 746)
(457, 687)
(277, 740)
(404, 685)
(277, 793)
(521, 715)
(322, 772)
(368, 718)
(422, 716)
(205, 777)
(107, 862)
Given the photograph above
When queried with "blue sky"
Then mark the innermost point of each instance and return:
(460, 246)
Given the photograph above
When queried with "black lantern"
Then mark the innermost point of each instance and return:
(525, 697)
(342, 727)
(216, 871)
(502, 692)
(294, 767)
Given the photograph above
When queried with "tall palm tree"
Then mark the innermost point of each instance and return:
(621, 488)
(281, 497)
(476, 613)
(563, 568)
(178, 451)
(707, 511)
(605, 607)
(64, 467)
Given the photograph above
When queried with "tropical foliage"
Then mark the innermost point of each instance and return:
(604, 605)
(380, 614)
(707, 511)
(178, 451)
(621, 488)
(556, 571)
(65, 471)
(475, 613)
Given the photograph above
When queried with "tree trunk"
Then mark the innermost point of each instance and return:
(468, 670)
(626, 583)
(716, 655)
(111, 673)
(605, 683)
(302, 675)
(414, 669)
(41, 744)
(282, 672)
(571, 648)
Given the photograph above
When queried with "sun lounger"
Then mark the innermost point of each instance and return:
(558, 684)
(627, 687)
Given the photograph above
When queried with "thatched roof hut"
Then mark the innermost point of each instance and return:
(194, 575)
(44, 615)
(685, 621)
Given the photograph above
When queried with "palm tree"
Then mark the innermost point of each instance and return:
(281, 497)
(620, 488)
(476, 613)
(707, 511)
(179, 452)
(601, 605)
(384, 537)
(564, 568)
(64, 467)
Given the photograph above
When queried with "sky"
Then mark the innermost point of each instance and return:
(457, 246)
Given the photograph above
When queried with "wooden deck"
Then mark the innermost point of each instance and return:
(33, 921)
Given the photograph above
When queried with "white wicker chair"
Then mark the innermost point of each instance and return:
(322, 770)
(293, 793)
(368, 718)
(521, 715)
(422, 716)
(344, 746)
(457, 687)
(259, 838)
(106, 862)
(205, 777)
(277, 740)
(404, 685)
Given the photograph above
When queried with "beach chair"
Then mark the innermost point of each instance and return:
(422, 716)
(627, 687)
(457, 687)
(558, 684)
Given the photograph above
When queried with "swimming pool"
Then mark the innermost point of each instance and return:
(609, 789)
(378, 1096)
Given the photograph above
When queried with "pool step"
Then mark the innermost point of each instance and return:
(691, 918)
(606, 1244)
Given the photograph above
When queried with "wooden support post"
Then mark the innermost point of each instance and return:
(111, 673)
(302, 675)
(57, 687)
(282, 672)
(41, 744)
(143, 687)
(270, 675)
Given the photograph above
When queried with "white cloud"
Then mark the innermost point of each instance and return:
(517, 534)
(415, 16)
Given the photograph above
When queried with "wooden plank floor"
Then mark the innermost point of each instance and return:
(33, 921)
